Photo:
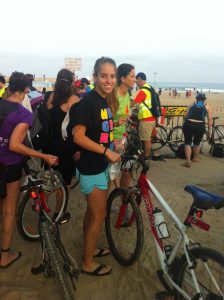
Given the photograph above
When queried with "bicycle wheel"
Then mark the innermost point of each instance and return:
(124, 226)
(209, 271)
(56, 261)
(219, 134)
(27, 220)
(159, 138)
(175, 138)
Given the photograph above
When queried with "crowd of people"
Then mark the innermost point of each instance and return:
(93, 117)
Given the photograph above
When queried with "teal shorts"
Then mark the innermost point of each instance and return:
(89, 182)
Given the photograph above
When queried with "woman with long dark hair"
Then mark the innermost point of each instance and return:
(59, 103)
(125, 82)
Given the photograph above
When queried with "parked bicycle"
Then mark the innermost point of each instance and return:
(164, 135)
(217, 133)
(199, 272)
(56, 195)
(167, 135)
(57, 262)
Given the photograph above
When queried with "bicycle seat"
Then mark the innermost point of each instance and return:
(203, 199)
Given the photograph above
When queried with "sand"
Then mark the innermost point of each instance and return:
(140, 280)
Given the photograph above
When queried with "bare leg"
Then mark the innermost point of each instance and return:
(94, 217)
(188, 154)
(147, 147)
(196, 151)
(9, 207)
(125, 179)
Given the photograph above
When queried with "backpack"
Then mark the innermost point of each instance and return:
(217, 150)
(40, 134)
(197, 111)
(180, 153)
(156, 105)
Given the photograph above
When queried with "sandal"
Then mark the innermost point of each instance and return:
(96, 272)
(12, 261)
(102, 252)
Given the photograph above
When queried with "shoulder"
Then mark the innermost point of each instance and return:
(24, 111)
(72, 100)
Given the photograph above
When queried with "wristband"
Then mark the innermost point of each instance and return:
(105, 150)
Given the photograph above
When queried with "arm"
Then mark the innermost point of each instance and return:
(80, 138)
(209, 120)
(16, 145)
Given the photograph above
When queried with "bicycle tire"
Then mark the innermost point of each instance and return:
(160, 139)
(27, 219)
(201, 255)
(175, 138)
(126, 233)
(56, 261)
(219, 134)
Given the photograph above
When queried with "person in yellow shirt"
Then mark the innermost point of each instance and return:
(146, 120)
(3, 86)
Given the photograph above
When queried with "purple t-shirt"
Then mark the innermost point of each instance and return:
(20, 115)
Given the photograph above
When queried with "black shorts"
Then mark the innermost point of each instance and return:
(9, 174)
(193, 132)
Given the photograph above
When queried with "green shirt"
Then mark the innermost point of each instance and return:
(123, 111)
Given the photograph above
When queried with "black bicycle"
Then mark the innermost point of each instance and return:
(57, 262)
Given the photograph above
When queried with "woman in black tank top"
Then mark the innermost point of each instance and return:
(194, 127)
(60, 102)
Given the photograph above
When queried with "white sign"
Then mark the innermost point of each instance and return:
(73, 64)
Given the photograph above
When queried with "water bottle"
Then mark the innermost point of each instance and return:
(160, 224)
(115, 169)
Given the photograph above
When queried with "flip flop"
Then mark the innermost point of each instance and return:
(11, 262)
(96, 272)
(101, 252)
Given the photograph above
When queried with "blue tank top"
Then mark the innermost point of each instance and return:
(197, 111)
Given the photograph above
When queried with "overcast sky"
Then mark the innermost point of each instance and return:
(181, 40)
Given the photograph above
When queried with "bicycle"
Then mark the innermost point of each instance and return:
(57, 262)
(56, 196)
(179, 275)
(217, 133)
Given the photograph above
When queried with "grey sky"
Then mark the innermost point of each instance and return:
(180, 40)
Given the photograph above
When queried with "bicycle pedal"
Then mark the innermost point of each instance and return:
(65, 218)
(164, 295)
(35, 270)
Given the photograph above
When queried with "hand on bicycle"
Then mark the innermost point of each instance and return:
(77, 155)
(112, 156)
(50, 159)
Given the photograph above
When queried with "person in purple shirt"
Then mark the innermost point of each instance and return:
(15, 121)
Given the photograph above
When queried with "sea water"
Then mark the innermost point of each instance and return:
(183, 86)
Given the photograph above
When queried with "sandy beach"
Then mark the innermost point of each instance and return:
(138, 282)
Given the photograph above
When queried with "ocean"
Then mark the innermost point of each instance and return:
(183, 86)
(180, 86)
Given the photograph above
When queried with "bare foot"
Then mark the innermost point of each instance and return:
(196, 159)
(9, 257)
(186, 165)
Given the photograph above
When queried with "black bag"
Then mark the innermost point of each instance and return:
(156, 105)
(181, 151)
(41, 130)
(217, 150)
